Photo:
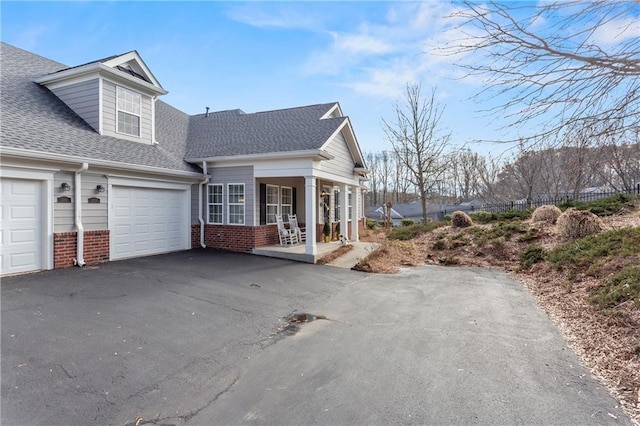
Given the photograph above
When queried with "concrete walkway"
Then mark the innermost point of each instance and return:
(360, 250)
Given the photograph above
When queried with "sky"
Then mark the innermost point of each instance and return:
(259, 56)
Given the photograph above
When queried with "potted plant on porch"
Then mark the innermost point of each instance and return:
(326, 231)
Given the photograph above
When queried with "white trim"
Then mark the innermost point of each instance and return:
(244, 204)
(46, 178)
(209, 222)
(290, 188)
(72, 74)
(329, 113)
(147, 183)
(120, 88)
(185, 190)
(101, 106)
(267, 204)
(314, 153)
(25, 153)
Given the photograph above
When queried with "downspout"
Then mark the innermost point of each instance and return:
(79, 260)
(200, 217)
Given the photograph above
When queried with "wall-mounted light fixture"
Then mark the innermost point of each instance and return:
(99, 188)
(65, 186)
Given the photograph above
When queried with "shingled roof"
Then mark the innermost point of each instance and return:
(33, 118)
(229, 133)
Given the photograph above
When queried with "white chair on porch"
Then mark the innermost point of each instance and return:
(301, 233)
(287, 236)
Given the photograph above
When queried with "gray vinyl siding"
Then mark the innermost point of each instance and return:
(83, 99)
(342, 163)
(94, 215)
(240, 174)
(63, 213)
(109, 114)
(194, 205)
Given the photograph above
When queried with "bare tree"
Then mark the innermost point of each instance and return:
(401, 184)
(418, 141)
(467, 178)
(374, 177)
(558, 64)
(386, 169)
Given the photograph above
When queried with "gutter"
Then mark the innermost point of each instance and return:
(79, 260)
(316, 154)
(200, 217)
(53, 157)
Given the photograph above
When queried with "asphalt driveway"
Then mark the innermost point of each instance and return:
(198, 338)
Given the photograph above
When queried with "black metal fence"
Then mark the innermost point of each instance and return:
(532, 204)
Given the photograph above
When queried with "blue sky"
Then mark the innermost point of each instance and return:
(260, 56)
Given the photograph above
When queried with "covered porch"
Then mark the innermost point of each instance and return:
(320, 205)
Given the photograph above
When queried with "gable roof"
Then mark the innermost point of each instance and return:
(234, 132)
(34, 119)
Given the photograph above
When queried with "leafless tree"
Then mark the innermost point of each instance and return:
(560, 64)
(418, 140)
(386, 170)
(373, 161)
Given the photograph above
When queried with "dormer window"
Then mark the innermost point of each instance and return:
(128, 112)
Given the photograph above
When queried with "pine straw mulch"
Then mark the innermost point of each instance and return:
(607, 341)
(330, 257)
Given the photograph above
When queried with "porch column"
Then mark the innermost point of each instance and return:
(344, 211)
(310, 214)
(355, 209)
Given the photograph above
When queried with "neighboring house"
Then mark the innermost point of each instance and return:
(95, 167)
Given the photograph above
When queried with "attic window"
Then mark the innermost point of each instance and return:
(128, 112)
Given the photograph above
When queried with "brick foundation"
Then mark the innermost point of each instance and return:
(235, 238)
(245, 238)
(96, 248)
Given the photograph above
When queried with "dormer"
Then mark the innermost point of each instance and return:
(115, 95)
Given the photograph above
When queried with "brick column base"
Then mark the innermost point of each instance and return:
(96, 248)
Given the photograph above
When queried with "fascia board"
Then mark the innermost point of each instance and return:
(333, 108)
(136, 56)
(352, 142)
(97, 68)
(28, 154)
(316, 154)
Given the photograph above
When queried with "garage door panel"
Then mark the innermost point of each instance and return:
(27, 235)
(21, 221)
(148, 221)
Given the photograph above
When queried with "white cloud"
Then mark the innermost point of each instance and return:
(359, 44)
(287, 16)
(617, 31)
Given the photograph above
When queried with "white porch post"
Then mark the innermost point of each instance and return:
(310, 214)
(355, 209)
(344, 211)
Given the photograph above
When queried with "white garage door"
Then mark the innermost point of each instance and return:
(147, 221)
(21, 226)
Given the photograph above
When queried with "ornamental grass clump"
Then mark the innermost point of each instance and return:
(460, 219)
(574, 224)
(548, 214)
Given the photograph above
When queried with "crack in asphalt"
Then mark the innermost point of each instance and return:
(185, 418)
(209, 302)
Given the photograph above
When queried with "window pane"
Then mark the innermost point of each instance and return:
(287, 196)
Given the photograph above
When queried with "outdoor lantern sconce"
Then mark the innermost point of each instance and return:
(65, 186)
(99, 188)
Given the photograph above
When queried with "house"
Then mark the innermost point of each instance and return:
(95, 167)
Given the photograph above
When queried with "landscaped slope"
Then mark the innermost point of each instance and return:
(589, 286)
